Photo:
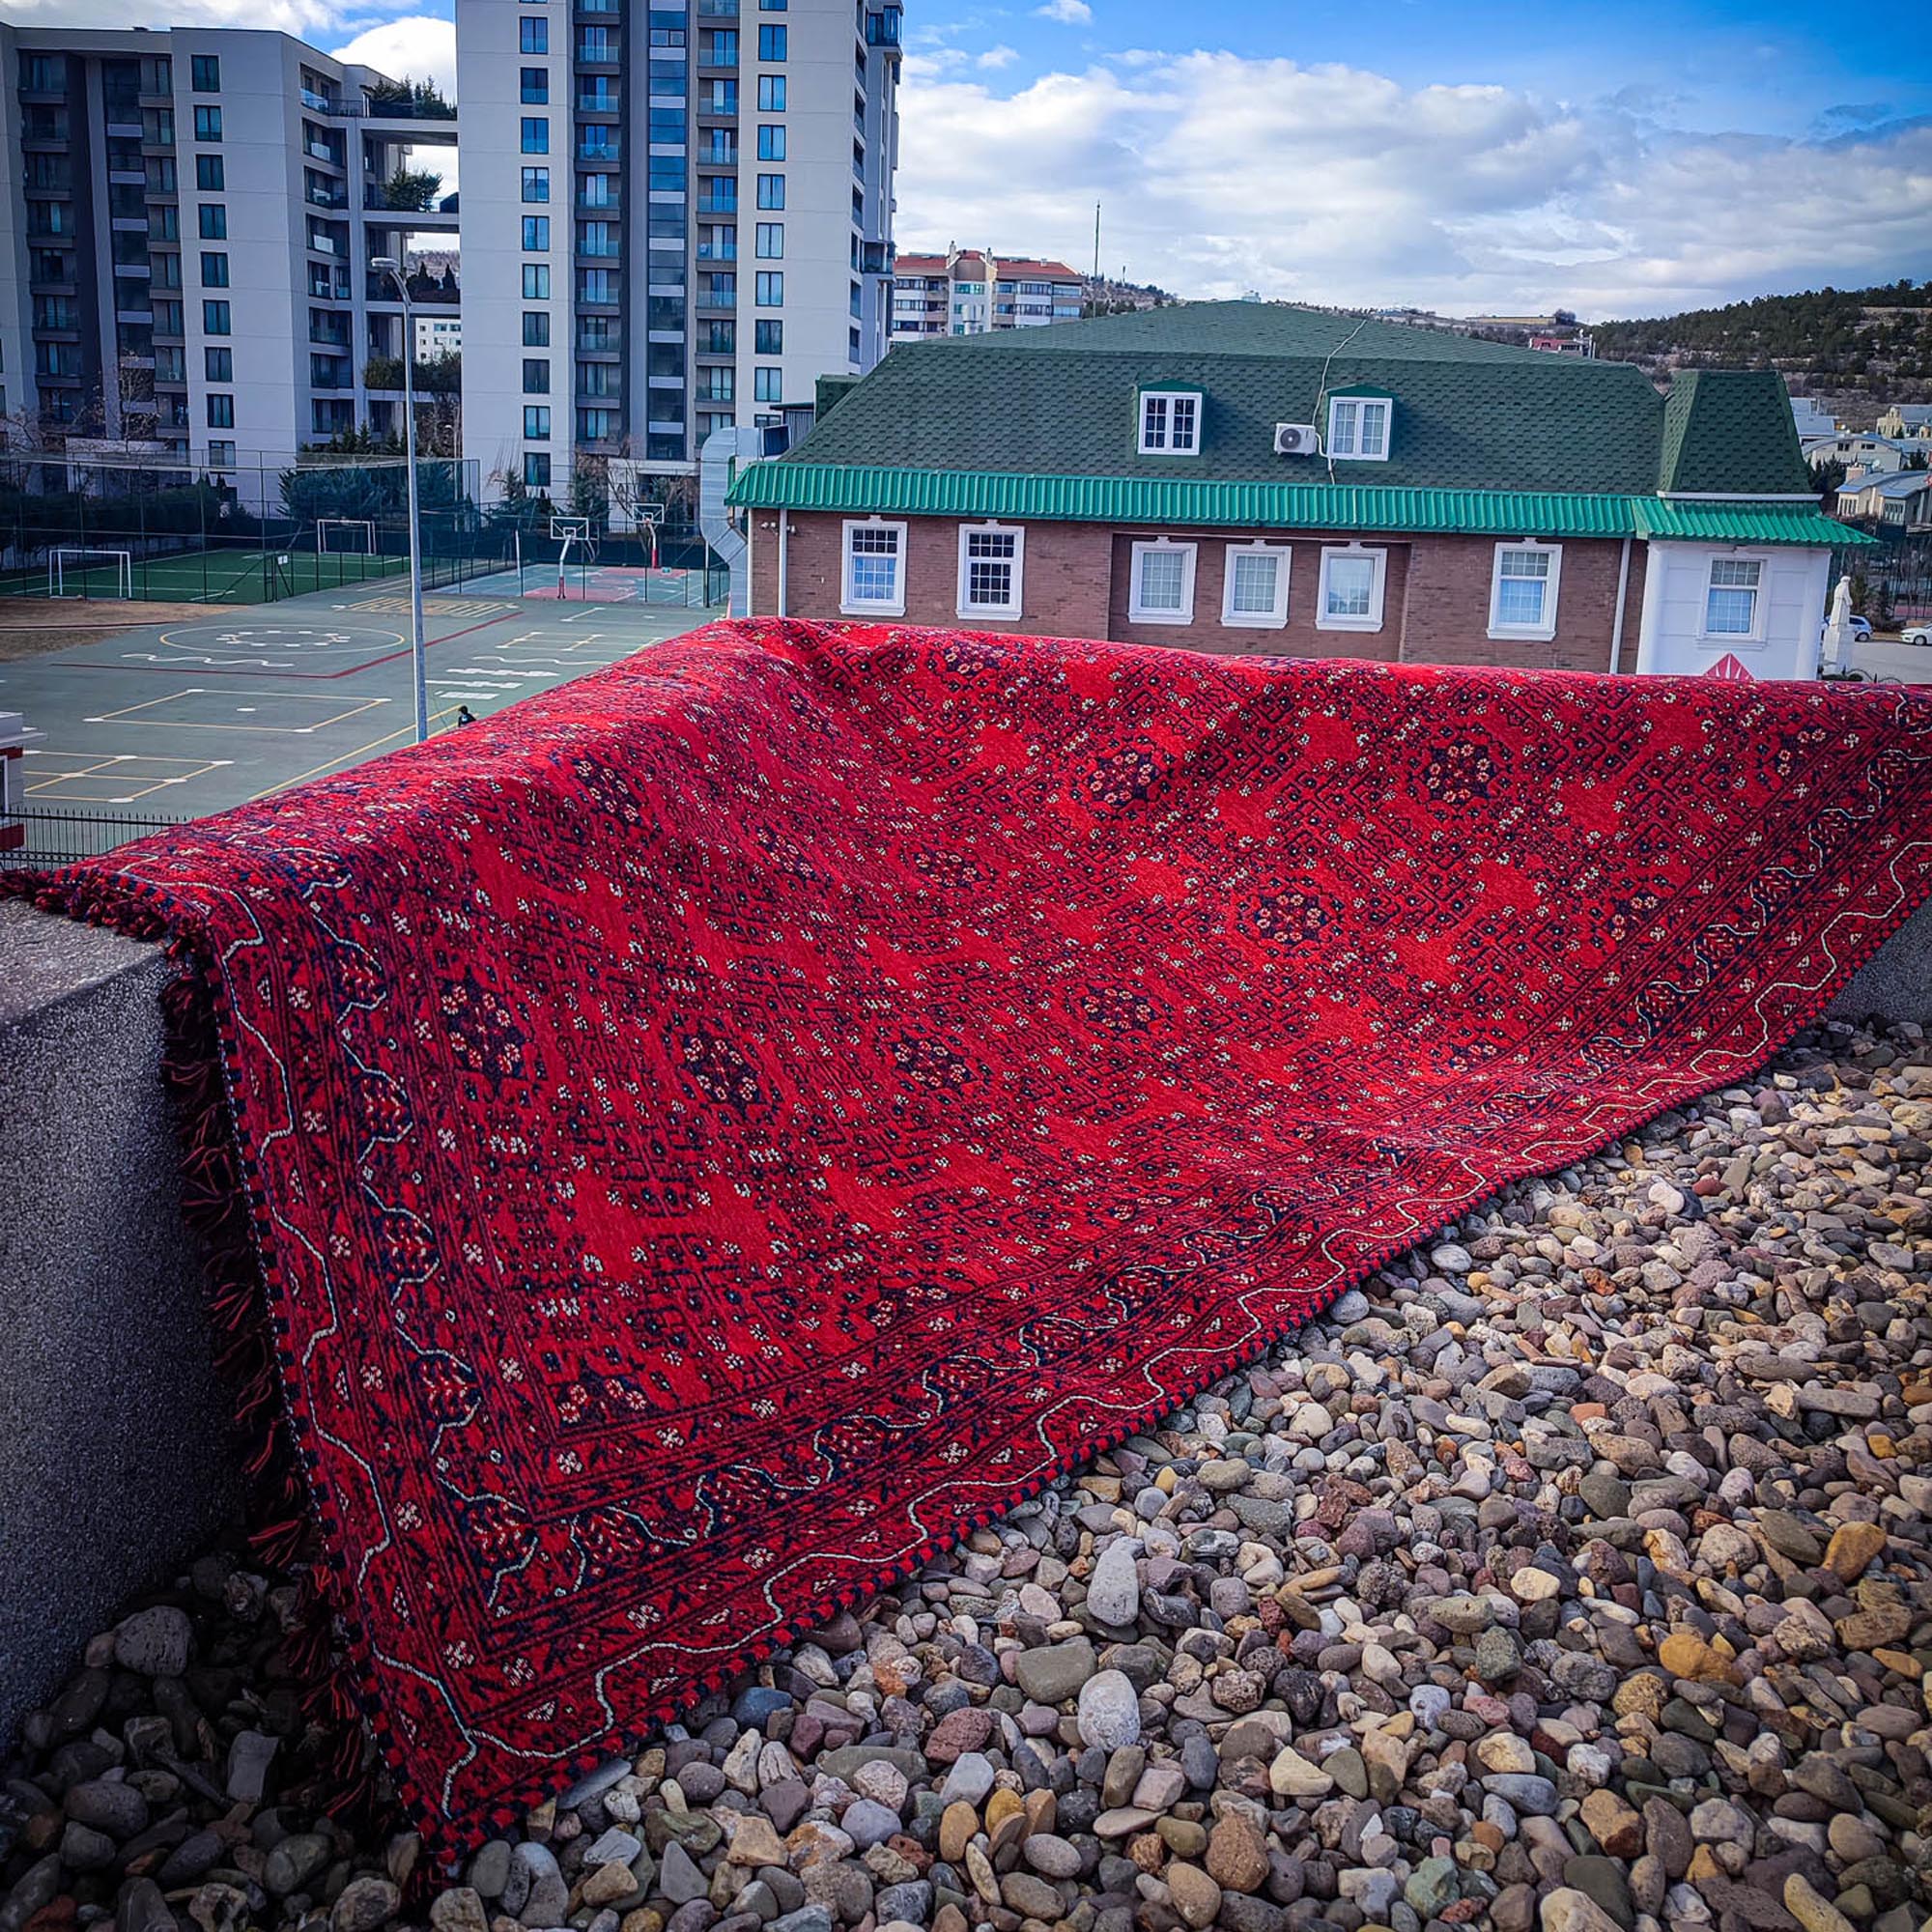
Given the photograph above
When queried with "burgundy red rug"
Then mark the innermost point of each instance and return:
(714, 1135)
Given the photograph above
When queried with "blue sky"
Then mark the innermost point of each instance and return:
(1765, 69)
(1621, 160)
(1617, 160)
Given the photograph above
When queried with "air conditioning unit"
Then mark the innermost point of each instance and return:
(1297, 440)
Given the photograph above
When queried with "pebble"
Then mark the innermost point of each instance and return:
(1570, 1574)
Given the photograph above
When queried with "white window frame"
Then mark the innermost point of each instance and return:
(1011, 607)
(1734, 638)
(852, 607)
(1274, 618)
(1167, 398)
(1136, 612)
(1551, 582)
(1374, 620)
(1332, 444)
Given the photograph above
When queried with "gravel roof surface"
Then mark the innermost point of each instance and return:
(1574, 1575)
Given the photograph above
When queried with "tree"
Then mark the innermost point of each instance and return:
(411, 189)
(414, 99)
(615, 484)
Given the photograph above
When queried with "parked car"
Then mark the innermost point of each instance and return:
(1860, 630)
(1916, 634)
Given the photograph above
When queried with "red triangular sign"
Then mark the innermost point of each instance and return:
(1730, 669)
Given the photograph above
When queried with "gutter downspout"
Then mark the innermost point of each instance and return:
(1617, 630)
(782, 611)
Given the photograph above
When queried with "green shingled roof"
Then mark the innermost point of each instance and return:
(1469, 416)
(1731, 431)
(863, 489)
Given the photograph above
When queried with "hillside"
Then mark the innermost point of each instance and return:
(1856, 350)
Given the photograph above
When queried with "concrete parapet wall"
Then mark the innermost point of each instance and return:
(116, 1456)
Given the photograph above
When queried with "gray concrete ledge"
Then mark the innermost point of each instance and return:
(117, 1458)
(116, 1451)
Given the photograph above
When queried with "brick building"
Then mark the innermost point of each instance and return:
(1244, 477)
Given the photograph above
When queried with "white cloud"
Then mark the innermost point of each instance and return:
(997, 57)
(1069, 12)
(1218, 174)
(417, 46)
(307, 17)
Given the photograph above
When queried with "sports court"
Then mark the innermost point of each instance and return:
(189, 718)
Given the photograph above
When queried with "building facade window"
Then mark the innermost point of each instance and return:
(1731, 601)
(770, 44)
(533, 35)
(219, 363)
(770, 241)
(768, 386)
(1523, 590)
(992, 565)
(535, 86)
(771, 190)
(536, 133)
(771, 143)
(768, 338)
(536, 375)
(207, 124)
(211, 177)
(769, 291)
(1358, 428)
(1254, 587)
(1160, 583)
(216, 318)
(536, 328)
(205, 73)
(874, 571)
(220, 453)
(1170, 422)
(537, 469)
(771, 94)
(220, 412)
(536, 234)
(1350, 595)
(537, 183)
(213, 269)
(536, 423)
(213, 216)
(536, 281)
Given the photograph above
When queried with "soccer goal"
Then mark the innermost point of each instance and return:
(345, 536)
(76, 572)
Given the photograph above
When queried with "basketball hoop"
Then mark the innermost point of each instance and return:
(567, 530)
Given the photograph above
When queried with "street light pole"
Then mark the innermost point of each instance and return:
(390, 266)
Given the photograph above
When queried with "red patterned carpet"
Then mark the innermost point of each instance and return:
(719, 1132)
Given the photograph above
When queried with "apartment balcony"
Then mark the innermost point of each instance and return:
(317, 199)
(440, 218)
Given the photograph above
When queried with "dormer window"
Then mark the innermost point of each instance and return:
(1170, 422)
(1358, 428)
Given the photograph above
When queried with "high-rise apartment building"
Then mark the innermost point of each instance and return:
(970, 292)
(683, 219)
(189, 217)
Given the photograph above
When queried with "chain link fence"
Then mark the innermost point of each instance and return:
(247, 533)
